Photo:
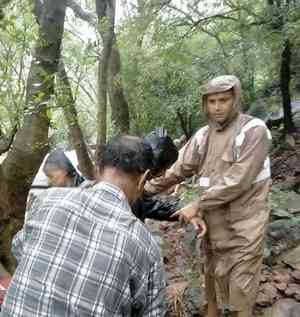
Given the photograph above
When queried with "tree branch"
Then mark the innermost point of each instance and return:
(183, 124)
(83, 14)
(185, 14)
(65, 97)
(6, 141)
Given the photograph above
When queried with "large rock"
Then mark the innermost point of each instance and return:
(281, 276)
(286, 307)
(296, 276)
(284, 229)
(293, 290)
(267, 295)
(291, 258)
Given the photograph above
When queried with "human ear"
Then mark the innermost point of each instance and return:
(98, 172)
(143, 179)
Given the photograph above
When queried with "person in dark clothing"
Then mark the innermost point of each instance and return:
(165, 153)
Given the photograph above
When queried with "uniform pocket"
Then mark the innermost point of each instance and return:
(251, 210)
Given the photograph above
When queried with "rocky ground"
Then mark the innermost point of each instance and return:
(279, 293)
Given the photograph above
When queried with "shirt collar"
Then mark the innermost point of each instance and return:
(113, 189)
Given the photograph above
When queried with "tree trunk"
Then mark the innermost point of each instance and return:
(285, 78)
(279, 21)
(31, 141)
(65, 98)
(118, 102)
(83, 14)
(106, 17)
(185, 123)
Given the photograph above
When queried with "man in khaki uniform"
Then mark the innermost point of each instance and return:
(230, 155)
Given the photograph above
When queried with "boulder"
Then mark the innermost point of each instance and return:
(267, 295)
(286, 307)
(293, 290)
(291, 258)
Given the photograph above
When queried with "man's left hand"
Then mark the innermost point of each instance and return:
(186, 213)
(199, 226)
(192, 214)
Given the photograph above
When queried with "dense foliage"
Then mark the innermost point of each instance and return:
(168, 50)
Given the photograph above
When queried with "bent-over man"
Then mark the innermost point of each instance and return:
(82, 252)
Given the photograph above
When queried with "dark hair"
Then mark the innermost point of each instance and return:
(164, 150)
(57, 159)
(129, 154)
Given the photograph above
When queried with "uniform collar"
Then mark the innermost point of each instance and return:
(111, 188)
(221, 127)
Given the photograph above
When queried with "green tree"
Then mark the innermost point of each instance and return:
(31, 140)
